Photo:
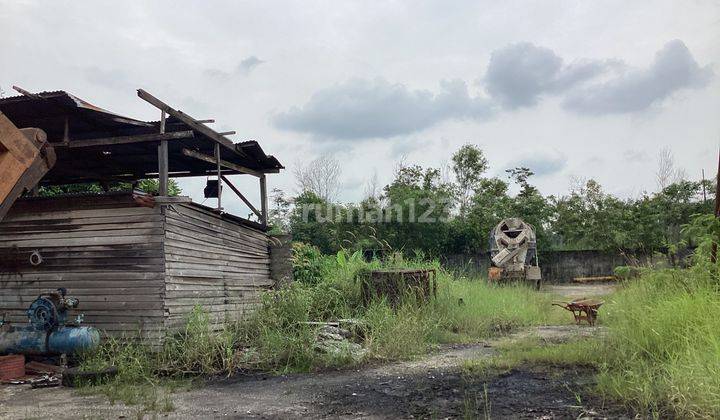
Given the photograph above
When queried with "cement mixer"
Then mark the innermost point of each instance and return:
(513, 253)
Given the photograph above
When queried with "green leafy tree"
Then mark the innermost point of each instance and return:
(469, 163)
(530, 205)
(311, 222)
(279, 214)
(489, 204)
(590, 219)
(417, 208)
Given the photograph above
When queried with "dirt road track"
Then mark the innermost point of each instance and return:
(431, 387)
(434, 387)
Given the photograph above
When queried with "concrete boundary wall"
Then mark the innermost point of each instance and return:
(556, 266)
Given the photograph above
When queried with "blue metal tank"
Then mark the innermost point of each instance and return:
(48, 331)
(63, 340)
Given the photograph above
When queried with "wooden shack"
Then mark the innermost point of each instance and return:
(138, 263)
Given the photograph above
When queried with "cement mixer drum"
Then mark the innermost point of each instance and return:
(513, 251)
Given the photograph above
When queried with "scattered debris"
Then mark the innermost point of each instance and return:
(46, 381)
(12, 367)
(334, 340)
(40, 368)
(72, 377)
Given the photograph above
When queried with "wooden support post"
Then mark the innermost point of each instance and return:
(219, 176)
(162, 160)
(263, 200)
(66, 131)
(713, 249)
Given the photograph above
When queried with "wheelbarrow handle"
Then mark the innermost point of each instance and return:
(563, 305)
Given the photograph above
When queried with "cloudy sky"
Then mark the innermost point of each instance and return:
(584, 89)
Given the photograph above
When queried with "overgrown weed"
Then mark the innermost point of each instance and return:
(661, 353)
(280, 335)
(663, 349)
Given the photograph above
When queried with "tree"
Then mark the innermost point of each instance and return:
(489, 204)
(469, 163)
(666, 173)
(151, 186)
(279, 213)
(530, 205)
(520, 176)
(372, 189)
(589, 218)
(417, 209)
(310, 222)
(320, 176)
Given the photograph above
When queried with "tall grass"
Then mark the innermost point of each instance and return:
(663, 350)
(280, 335)
(328, 288)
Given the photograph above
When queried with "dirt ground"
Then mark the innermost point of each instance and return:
(431, 387)
(580, 290)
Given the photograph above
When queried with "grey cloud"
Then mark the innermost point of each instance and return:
(360, 109)
(245, 67)
(673, 69)
(519, 74)
(543, 164)
(249, 64)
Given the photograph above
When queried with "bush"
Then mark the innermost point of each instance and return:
(307, 261)
(627, 272)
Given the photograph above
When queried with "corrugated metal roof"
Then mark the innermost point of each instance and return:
(51, 111)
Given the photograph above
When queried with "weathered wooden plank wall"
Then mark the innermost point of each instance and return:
(104, 249)
(134, 269)
(216, 263)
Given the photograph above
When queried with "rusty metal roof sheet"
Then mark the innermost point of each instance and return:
(56, 111)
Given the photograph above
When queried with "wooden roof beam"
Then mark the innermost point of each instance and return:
(141, 138)
(190, 121)
(224, 163)
(24, 92)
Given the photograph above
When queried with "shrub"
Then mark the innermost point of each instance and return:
(307, 261)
